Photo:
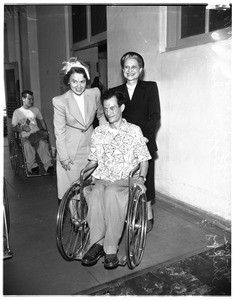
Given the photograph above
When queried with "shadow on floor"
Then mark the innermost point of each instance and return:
(208, 273)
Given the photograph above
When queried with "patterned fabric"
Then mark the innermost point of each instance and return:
(117, 151)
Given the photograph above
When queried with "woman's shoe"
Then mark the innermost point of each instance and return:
(150, 223)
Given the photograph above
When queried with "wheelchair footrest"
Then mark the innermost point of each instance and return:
(7, 254)
(123, 261)
(78, 255)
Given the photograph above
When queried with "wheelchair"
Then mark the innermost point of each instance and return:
(18, 160)
(72, 239)
(7, 253)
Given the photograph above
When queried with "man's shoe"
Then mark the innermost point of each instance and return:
(150, 224)
(35, 171)
(50, 170)
(93, 255)
(111, 261)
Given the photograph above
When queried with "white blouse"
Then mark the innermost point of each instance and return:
(131, 89)
(80, 103)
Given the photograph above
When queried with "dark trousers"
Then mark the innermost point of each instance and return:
(150, 192)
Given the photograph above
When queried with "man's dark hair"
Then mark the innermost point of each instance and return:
(24, 93)
(121, 98)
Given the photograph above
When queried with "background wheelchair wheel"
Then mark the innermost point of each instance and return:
(72, 236)
(136, 228)
(6, 205)
(7, 253)
(14, 157)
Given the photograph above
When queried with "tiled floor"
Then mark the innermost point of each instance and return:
(37, 267)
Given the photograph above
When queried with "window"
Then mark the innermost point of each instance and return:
(79, 21)
(98, 19)
(88, 24)
(192, 20)
(219, 19)
(191, 25)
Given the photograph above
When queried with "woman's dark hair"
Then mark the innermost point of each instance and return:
(121, 98)
(135, 55)
(72, 71)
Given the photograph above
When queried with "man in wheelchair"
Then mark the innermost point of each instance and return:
(25, 123)
(116, 148)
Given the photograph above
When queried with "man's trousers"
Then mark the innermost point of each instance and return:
(107, 208)
(30, 154)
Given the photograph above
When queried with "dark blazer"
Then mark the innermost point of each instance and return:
(143, 110)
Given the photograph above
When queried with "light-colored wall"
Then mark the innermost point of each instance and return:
(194, 162)
(132, 28)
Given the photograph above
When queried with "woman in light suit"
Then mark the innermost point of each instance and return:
(74, 113)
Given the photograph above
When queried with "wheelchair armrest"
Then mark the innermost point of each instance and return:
(86, 172)
(133, 172)
(16, 138)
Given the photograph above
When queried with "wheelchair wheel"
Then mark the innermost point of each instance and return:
(6, 224)
(72, 236)
(14, 157)
(136, 228)
(6, 205)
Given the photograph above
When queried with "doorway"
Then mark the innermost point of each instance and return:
(12, 92)
(96, 59)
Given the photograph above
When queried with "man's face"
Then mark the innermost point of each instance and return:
(28, 101)
(112, 111)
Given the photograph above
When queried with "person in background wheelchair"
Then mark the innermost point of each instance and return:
(24, 121)
(116, 148)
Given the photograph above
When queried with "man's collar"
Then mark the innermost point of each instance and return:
(123, 126)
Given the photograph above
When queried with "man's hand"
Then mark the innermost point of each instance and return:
(25, 127)
(139, 181)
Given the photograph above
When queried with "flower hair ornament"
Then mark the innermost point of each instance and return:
(73, 62)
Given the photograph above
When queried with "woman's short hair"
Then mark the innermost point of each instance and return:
(72, 71)
(135, 55)
(121, 98)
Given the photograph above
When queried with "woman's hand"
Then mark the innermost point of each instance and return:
(66, 164)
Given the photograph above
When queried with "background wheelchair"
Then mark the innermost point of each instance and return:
(17, 157)
(7, 253)
(72, 240)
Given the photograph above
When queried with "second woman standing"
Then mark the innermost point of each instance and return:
(142, 109)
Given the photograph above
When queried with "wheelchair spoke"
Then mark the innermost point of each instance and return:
(72, 227)
(136, 232)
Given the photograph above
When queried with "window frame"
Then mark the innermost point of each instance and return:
(91, 39)
(173, 32)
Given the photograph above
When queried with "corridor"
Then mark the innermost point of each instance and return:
(37, 268)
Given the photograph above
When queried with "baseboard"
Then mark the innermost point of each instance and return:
(200, 213)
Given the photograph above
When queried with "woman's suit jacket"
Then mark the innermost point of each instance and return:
(69, 123)
(143, 109)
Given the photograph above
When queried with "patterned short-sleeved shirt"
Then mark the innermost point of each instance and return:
(117, 151)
